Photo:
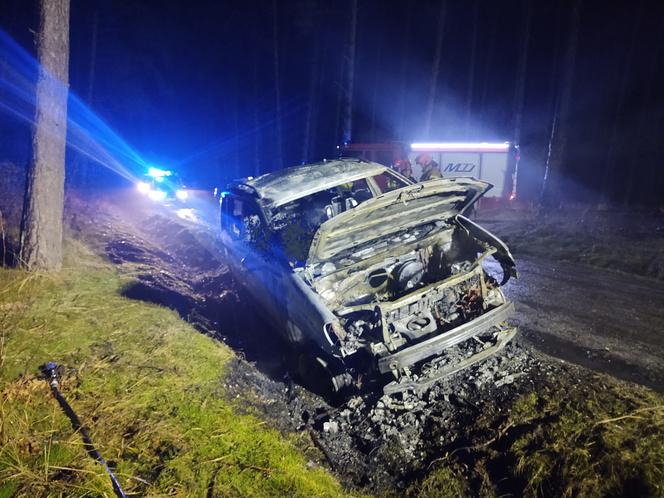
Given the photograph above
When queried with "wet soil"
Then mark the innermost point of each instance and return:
(370, 440)
(178, 265)
(608, 321)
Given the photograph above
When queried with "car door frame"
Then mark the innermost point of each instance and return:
(258, 271)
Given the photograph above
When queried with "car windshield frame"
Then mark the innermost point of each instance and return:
(398, 180)
(296, 235)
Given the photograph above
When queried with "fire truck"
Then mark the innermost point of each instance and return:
(496, 163)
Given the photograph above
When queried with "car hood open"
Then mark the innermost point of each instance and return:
(394, 211)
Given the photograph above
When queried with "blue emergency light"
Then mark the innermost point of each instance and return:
(157, 173)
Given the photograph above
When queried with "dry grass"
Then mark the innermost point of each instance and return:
(590, 437)
(145, 383)
(603, 438)
(444, 482)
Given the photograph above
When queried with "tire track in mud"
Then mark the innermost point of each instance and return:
(189, 277)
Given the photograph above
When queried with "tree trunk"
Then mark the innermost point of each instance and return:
(558, 143)
(89, 92)
(350, 76)
(488, 74)
(256, 143)
(435, 70)
(544, 194)
(374, 92)
(309, 129)
(277, 86)
(637, 144)
(552, 110)
(612, 149)
(85, 164)
(471, 69)
(646, 135)
(519, 89)
(236, 137)
(403, 72)
(41, 235)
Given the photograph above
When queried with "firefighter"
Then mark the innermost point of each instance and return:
(430, 168)
(404, 168)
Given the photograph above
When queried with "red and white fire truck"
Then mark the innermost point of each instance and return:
(496, 163)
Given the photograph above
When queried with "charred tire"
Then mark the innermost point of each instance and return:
(321, 375)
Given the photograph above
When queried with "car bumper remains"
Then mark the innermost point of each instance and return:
(436, 345)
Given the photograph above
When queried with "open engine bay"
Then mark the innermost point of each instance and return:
(410, 288)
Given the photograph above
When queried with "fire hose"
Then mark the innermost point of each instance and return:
(52, 373)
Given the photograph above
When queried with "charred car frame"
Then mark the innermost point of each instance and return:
(369, 274)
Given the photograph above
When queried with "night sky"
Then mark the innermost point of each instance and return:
(192, 83)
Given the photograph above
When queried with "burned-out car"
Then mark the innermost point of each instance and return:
(370, 274)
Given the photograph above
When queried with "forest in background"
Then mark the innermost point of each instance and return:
(226, 90)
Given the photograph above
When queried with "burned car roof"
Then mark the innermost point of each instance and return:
(281, 187)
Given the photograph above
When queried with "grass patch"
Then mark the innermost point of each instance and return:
(444, 482)
(145, 383)
(595, 438)
(602, 439)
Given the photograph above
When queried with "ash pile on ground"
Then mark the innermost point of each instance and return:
(381, 441)
(370, 441)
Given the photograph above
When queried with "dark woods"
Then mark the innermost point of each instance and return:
(226, 89)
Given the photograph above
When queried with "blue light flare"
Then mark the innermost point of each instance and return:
(87, 133)
(158, 173)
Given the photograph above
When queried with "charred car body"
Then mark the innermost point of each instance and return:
(367, 271)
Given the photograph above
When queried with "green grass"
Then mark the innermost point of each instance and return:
(603, 438)
(591, 437)
(145, 383)
(443, 482)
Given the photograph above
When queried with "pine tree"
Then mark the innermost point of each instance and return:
(277, 85)
(41, 234)
(435, 70)
(350, 76)
(519, 89)
(555, 168)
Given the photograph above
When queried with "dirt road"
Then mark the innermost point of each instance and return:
(607, 321)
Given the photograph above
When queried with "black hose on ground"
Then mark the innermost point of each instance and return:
(51, 372)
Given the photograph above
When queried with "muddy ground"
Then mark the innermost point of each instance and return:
(372, 441)
(591, 287)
